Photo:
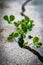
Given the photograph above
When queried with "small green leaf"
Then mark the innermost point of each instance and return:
(40, 43)
(6, 18)
(11, 36)
(28, 26)
(31, 21)
(23, 20)
(35, 39)
(37, 44)
(16, 24)
(24, 28)
(20, 31)
(30, 36)
(12, 17)
(16, 35)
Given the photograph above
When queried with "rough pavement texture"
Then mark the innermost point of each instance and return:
(10, 52)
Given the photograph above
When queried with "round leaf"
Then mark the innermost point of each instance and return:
(35, 39)
(12, 17)
(5, 17)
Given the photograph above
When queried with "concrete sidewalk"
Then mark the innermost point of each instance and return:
(10, 52)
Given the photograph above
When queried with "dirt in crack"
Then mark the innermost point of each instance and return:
(23, 6)
(27, 47)
(35, 52)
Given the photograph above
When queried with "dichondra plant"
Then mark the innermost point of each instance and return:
(23, 27)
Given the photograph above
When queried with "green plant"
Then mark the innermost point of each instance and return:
(9, 19)
(36, 42)
(23, 27)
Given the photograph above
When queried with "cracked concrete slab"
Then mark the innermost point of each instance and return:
(10, 52)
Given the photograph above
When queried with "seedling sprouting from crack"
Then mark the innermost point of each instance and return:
(23, 27)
